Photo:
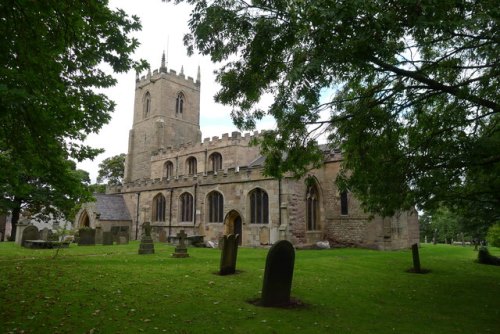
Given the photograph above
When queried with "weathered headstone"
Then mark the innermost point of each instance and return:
(229, 254)
(181, 249)
(98, 235)
(416, 258)
(147, 246)
(162, 237)
(29, 233)
(44, 234)
(86, 237)
(278, 274)
(107, 238)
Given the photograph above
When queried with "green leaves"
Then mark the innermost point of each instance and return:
(112, 169)
(415, 91)
(49, 56)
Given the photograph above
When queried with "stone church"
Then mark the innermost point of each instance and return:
(215, 186)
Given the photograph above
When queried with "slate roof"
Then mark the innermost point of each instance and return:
(111, 207)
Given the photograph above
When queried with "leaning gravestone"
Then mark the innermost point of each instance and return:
(86, 237)
(181, 249)
(147, 246)
(107, 238)
(30, 233)
(416, 258)
(278, 274)
(228, 254)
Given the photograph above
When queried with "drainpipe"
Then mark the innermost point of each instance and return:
(170, 214)
(279, 201)
(137, 216)
(194, 206)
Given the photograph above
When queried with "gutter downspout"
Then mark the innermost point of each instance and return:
(137, 216)
(170, 214)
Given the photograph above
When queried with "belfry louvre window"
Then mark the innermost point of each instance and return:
(147, 104)
(179, 103)
(168, 169)
(344, 205)
(216, 160)
(159, 208)
(312, 208)
(192, 166)
(186, 207)
(259, 207)
(215, 207)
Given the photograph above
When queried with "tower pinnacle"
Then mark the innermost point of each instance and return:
(163, 67)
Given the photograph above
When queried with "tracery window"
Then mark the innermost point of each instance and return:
(259, 207)
(215, 207)
(186, 207)
(159, 208)
(191, 166)
(312, 208)
(216, 161)
(179, 103)
(168, 169)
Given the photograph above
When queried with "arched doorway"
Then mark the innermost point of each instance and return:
(233, 225)
(84, 220)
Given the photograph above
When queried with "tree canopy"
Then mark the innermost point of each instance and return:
(112, 170)
(52, 55)
(408, 90)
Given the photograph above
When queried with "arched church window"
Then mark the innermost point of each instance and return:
(259, 207)
(215, 207)
(191, 166)
(344, 205)
(168, 169)
(147, 105)
(179, 103)
(216, 161)
(186, 207)
(159, 208)
(312, 208)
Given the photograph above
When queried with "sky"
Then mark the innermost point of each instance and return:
(163, 29)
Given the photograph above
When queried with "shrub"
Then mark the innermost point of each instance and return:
(493, 236)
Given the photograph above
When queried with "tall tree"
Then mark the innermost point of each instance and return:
(51, 57)
(112, 169)
(407, 89)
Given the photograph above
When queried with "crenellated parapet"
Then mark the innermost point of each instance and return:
(236, 138)
(163, 73)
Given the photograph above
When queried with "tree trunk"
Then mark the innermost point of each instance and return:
(16, 212)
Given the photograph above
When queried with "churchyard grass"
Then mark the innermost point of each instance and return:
(112, 289)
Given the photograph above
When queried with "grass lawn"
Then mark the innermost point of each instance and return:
(112, 289)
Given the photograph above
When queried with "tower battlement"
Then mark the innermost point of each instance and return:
(160, 73)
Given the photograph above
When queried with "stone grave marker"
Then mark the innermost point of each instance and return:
(416, 258)
(147, 246)
(181, 249)
(86, 237)
(107, 238)
(30, 233)
(278, 274)
(162, 237)
(228, 254)
(44, 234)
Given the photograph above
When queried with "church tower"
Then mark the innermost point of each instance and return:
(166, 114)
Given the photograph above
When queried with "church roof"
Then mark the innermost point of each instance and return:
(111, 207)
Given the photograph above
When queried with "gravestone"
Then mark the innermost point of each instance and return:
(278, 274)
(44, 234)
(107, 238)
(228, 254)
(416, 258)
(29, 233)
(181, 249)
(162, 237)
(86, 237)
(147, 246)
(98, 235)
